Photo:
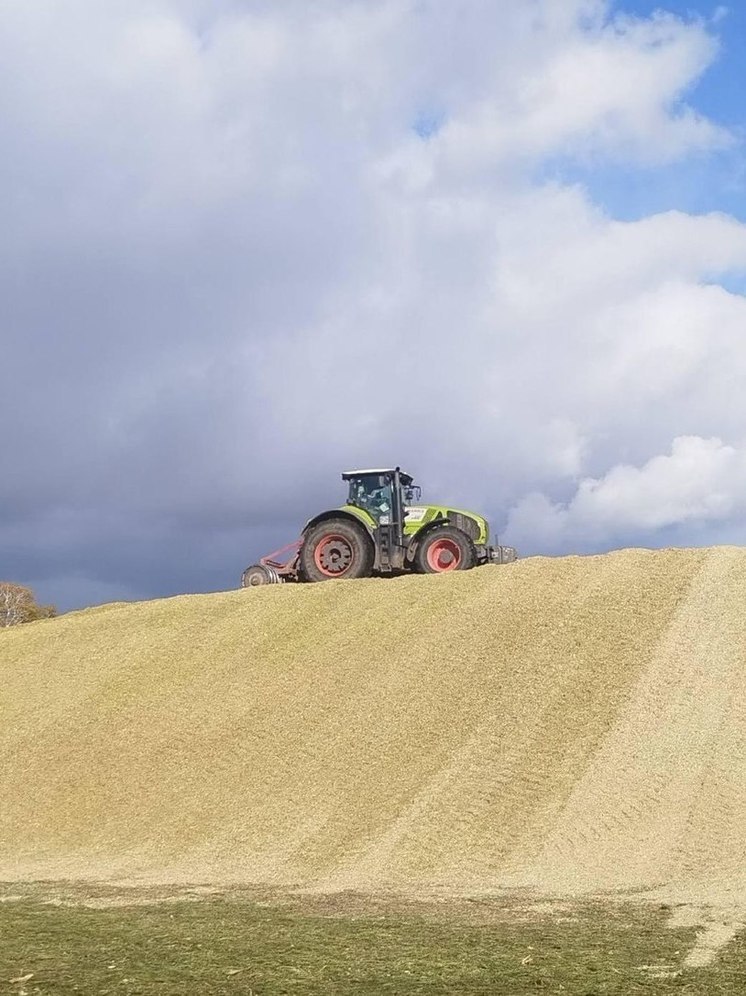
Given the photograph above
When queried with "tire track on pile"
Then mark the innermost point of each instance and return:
(627, 821)
(483, 814)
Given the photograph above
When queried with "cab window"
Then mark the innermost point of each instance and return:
(373, 493)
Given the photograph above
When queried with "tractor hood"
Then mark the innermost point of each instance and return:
(474, 525)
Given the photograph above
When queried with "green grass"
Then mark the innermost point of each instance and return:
(234, 944)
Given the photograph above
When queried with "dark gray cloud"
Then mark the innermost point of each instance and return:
(233, 263)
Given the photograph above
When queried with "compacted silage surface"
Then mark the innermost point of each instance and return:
(570, 724)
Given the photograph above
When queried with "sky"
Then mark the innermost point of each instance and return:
(245, 246)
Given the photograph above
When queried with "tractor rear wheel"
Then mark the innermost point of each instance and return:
(445, 549)
(336, 548)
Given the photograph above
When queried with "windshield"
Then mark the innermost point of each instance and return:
(372, 492)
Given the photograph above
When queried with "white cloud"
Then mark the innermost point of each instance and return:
(230, 264)
(613, 89)
(701, 480)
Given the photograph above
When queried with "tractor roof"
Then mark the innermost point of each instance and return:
(350, 474)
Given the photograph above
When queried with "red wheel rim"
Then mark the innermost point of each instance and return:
(333, 555)
(443, 555)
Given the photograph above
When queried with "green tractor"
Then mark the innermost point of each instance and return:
(383, 530)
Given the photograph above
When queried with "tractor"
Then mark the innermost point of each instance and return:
(381, 530)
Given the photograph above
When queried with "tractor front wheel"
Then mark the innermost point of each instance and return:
(336, 548)
(445, 549)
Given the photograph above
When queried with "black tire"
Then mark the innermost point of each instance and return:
(445, 549)
(336, 549)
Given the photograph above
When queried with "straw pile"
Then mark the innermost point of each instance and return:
(568, 724)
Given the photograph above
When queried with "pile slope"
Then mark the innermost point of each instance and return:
(569, 724)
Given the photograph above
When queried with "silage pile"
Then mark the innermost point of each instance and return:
(568, 724)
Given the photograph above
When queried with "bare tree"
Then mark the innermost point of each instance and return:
(18, 605)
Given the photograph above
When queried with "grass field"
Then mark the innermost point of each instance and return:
(101, 942)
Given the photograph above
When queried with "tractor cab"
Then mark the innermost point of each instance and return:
(383, 494)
